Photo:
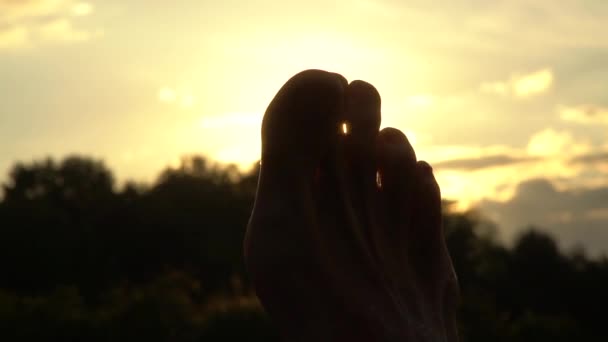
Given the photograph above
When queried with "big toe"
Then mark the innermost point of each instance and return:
(302, 121)
(299, 128)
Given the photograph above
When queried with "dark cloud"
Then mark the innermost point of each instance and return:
(482, 162)
(593, 111)
(600, 157)
(575, 216)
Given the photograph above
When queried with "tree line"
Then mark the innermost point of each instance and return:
(83, 259)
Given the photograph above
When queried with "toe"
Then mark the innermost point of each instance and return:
(360, 131)
(428, 201)
(397, 175)
(430, 254)
(394, 237)
(299, 126)
(362, 119)
(429, 251)
(303, 119)
(427, 210)
(361, 125)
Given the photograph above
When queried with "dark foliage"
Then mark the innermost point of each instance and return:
(81, 260)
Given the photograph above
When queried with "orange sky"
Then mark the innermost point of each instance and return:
(494, 94)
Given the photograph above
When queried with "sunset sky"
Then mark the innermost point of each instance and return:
(508, 100)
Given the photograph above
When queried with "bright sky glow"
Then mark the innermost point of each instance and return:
(492, 93)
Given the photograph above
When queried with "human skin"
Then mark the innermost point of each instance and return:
(345, 241)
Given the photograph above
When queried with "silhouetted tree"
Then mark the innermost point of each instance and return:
(84, 260)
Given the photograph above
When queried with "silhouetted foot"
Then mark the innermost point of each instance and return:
(345, 241)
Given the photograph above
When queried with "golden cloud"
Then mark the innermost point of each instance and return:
(29, 22)
(470, 174)
(549, 142)
(81, 9)
(13, 37)
(532, 84)
(12, 11)
(585, 114)
(521, 86)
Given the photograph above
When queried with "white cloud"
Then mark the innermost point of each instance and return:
(584, 114)
(521, 86)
